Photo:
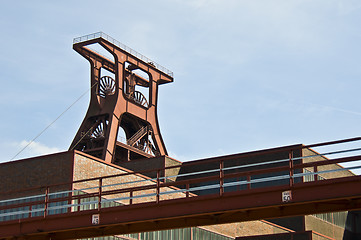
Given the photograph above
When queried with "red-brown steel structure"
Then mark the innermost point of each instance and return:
(189, 209)
(261, 190)
(116, 103)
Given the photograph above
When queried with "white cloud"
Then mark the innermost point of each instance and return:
(33, 149)
(223, 53)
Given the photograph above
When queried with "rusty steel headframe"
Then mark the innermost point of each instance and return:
(124, 92)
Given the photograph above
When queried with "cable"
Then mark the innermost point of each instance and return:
(81, 139)
(53, 122)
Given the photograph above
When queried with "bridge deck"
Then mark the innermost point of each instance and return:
(94, 208)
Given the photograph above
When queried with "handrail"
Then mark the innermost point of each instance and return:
(197, 180)
(333, 142)
(153, 188)
(123, 47)
(144, 173)
(147, 187)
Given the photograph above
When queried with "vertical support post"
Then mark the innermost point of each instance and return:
(315, 175)
(290, 155)
(100, 187)
(248, 182)
(46, 201)
(158, 183)
(238, 187)
(221, 178)
(187, 192)
(78, 203)
(131, 197)
(70, 195)
(30, 209)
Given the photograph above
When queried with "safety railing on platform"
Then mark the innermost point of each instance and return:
(123, 47)
(286, 166)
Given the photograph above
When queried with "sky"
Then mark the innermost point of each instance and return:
(248, 74)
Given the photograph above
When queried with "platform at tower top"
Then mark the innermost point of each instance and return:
(123, 47)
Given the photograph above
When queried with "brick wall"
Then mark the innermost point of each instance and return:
(86, 167)
(35, 173)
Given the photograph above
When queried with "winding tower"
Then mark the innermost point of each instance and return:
(124, 93)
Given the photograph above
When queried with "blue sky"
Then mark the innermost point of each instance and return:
(248, 74)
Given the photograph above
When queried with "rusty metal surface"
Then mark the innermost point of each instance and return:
(308, 198)
(115, 102)
(158, 203)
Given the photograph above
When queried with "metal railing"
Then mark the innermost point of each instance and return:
(133, 188)
(123, 47)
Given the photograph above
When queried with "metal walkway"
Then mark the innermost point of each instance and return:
(128, 203)
(123, 47)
